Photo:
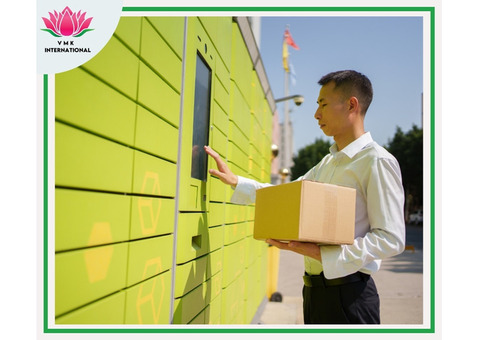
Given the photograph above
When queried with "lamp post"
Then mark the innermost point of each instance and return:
(287, 133)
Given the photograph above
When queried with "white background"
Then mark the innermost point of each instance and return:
(456, 169)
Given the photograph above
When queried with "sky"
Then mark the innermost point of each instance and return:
(388, 50)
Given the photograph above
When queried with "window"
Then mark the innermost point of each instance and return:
(201, 119)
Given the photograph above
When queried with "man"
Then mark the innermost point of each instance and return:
(338, 287)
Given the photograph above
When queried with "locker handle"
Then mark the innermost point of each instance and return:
(197, 242)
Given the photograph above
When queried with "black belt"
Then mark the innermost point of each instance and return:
(322, 281)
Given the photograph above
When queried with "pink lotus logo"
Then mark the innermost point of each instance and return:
(67, 23)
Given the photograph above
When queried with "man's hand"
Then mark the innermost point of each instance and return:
(223, 173)
(304, 248)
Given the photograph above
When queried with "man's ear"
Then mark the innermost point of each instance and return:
(353, 104)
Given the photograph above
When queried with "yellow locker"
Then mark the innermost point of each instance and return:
(161, 58)
(213, 312)
(85, 275)
(85, 219)
(155, 136)
(233, 261)
(233, 301)
(128, 31)
(242, 66)
(192, 236)
(239, 110)
(218, 192)
(107, 311)
(190, 305)
(153, 176)
(190, 275)
(158, 96)
(151, 216)
(117, 66)
(216, 215)
(149, 257)
(107, 112)
(171, 29)
(149, 301)
(218, 141)
(220, 117)
(235, 232)
(83, 160)
(215, 238)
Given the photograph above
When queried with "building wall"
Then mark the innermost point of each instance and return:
(138, 240)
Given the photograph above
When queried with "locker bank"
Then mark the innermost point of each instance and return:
(143, 233)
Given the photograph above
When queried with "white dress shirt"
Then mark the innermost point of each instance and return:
(379, 218)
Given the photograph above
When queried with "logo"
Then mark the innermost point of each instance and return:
(70, 33)
(67, 23)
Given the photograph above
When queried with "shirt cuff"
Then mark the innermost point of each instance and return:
(245, 191)
(332, 265)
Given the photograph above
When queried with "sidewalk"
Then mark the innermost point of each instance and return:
(399, 283)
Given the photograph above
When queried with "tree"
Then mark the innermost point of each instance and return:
(308, 157)
(408, 150)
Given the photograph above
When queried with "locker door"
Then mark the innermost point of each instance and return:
(198, 104)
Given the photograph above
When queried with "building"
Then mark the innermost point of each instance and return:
(143, 233)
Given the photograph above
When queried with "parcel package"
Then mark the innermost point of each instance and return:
(305, 211)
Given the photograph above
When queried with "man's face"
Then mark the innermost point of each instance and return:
(332, 113)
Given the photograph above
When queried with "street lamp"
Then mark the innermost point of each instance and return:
(297, 99)
(284, 173)
(274, 149)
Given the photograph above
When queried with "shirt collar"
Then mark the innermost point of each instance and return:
(354, 147)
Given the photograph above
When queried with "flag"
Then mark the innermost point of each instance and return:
(285, 55)
(287, 40)
(293, 75)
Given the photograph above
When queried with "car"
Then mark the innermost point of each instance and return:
(416, 217)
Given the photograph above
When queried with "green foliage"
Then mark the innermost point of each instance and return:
(408, 150)
(308, 157)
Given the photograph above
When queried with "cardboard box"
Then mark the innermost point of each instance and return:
(305, 211)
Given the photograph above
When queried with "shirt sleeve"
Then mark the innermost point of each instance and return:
(245, 191)
(385, 198)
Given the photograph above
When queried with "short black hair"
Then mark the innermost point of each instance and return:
(351, 83)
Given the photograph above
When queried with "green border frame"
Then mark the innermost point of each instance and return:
(431, 10)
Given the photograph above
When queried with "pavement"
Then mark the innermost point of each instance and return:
(399, 283)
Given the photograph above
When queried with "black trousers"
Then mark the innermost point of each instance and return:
(353, 300)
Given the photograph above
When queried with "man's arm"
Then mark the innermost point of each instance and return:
(386, 237)
(303, 248)
(245, 188)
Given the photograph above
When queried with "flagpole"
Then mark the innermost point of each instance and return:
(286, 154)
(286, 128)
